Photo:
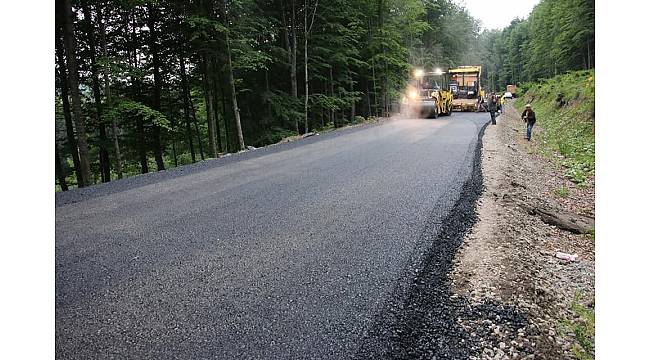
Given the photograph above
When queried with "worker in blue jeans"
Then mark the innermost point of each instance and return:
(529, 117)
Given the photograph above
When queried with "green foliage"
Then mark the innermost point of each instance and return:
(133, 110)
(565, 109)
(558, 36)
(203, 28)
(273, 135)
(360, 53)
(583, 327)
(562, 192)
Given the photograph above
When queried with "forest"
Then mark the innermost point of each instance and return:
(145, 86)
(558, 36)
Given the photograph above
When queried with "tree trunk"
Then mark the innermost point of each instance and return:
(104, 161)
(369, 114)
(384, 77)
(294, 55)
(353, 105)
(73, 77)
(331, 111)
(69, 128)
(227, 133)
(173, 125)
(153, 43)
(107, 91)
(588, 54)
(215, 106)
(307, 31)
(196, 127)
(231, 80)
(269, 112)
(135, 91)
(306, 80)
(207, 86)
(186, 106)
(58, 168)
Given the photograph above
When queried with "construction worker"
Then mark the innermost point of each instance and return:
(529, 117)
(502, 103)
(493, 103)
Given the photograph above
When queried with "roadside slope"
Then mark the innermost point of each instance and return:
(565, 131)
(509, 255)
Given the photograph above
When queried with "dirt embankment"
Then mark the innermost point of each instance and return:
(509, 256)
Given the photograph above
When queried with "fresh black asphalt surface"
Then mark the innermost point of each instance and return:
(292, 251)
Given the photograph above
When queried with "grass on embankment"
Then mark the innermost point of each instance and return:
(565, 109)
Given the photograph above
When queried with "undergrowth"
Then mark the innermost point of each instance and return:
(565, 109)
(583, 328)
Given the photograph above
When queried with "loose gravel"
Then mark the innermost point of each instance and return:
(426, 319)
(508, 256)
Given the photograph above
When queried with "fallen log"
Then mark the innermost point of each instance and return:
(577, 224)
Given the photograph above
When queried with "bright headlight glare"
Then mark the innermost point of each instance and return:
(413, 94)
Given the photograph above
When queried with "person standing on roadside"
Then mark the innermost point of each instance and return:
(502, 103)
(492, 107)
(529, 117)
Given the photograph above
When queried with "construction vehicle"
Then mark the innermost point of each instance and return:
(428, 94)
(465, 85)
(512, 89)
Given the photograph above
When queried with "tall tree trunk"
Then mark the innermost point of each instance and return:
(369, 114)
(172, 120)
(104, 161)
(269, 112)
(306, 79)
(196, 127)
(153, 43)
(217, 125)
(588, 54)
(307, 32)
(291, 49)
(294, 55)
(73, 77)
(107, 91)
(384, 77)
(186, 105)
(135, 91)
(69, 128)
(209, 102)
(58, 168)
(227, 133)
(331, 111)
(353, 104)
(231, 80)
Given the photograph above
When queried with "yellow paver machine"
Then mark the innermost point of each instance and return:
(465, 85)
(428, 94)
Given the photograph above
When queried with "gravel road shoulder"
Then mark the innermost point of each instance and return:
(508, 257)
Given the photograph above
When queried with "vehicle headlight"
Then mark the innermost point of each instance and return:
(413, 94)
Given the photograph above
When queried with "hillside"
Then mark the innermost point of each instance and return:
(565, 129)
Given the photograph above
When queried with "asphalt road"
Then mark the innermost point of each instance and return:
(284, 252)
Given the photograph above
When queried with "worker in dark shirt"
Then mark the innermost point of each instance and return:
(529, 117)
(492, 107)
